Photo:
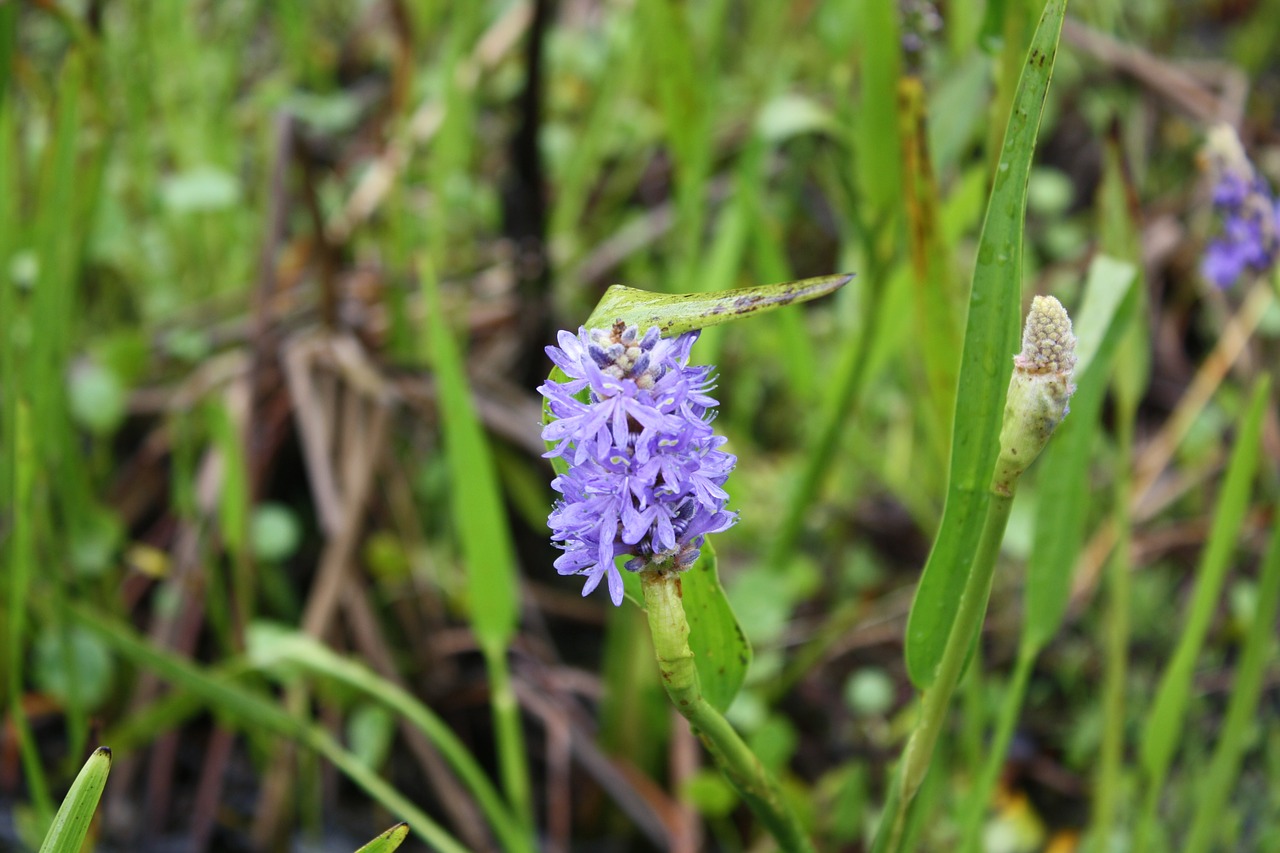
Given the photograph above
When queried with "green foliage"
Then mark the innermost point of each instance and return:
(71, 823)
(991, 338)
(191, 195)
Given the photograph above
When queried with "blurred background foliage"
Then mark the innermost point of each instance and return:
(235, 235)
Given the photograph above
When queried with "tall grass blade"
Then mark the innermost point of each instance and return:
(991, 339)
(1162, 731)
(271, 645)
(251, 711)
(21, 570)
(493, 588)
(71, 823)
(478, 512)
(1224, 767)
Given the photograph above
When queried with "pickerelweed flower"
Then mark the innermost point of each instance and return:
(1250, 238)
(646, 472)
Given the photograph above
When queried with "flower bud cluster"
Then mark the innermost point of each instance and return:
(1039, 390)
(646, 472)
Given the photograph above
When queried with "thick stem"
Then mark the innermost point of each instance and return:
(973, 607)
(670, 630)
(918, 753)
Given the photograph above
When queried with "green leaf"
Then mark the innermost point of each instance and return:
(677, 313)
(991, 338)
(274, 532)
(478, 514)
(721, 651)
(199, 190)
(73, 665)
(1224, 768)
(71, 823)
(1110, 303)
(98, 399)
(271, 646)
(387, 841)
(1163, 730)
(249, 709)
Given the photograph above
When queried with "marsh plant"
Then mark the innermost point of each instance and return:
(307, 343)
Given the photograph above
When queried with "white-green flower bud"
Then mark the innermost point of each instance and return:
(1039, 390)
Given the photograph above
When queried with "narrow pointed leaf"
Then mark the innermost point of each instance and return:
(387, 841)
(1162, 733)
(991, 339)
(478, 514)
(71, 823)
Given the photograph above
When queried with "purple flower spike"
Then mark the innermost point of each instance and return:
(1250, 238)
(646, 472)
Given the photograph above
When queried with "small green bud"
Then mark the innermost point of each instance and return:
(1039, 390)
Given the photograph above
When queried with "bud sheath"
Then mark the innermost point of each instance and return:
(1039, 390)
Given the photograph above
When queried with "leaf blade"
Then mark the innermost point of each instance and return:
(991, 336)
(75, 815)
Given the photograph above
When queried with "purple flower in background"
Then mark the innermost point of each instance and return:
(646, 472)
(1250, 236)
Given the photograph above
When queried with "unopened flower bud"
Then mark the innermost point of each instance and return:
(1039, 390)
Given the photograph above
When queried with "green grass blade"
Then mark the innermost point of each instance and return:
(1110, 303)
(1224, 767)
(877, 145)
(478, 513)
(21, 570)
(272, 645)
(249, 710)
(991, 338)
(387, 841)
(71, 823)
(493, 588)
(1162, 731)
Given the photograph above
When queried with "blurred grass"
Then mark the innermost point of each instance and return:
(686, 147)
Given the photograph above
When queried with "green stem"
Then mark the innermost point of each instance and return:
(670, 630)
(509, 736)
(918, 754)
(1111, 757)
(980, 796)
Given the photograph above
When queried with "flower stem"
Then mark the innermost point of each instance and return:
(670, 630)
(918, 753)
